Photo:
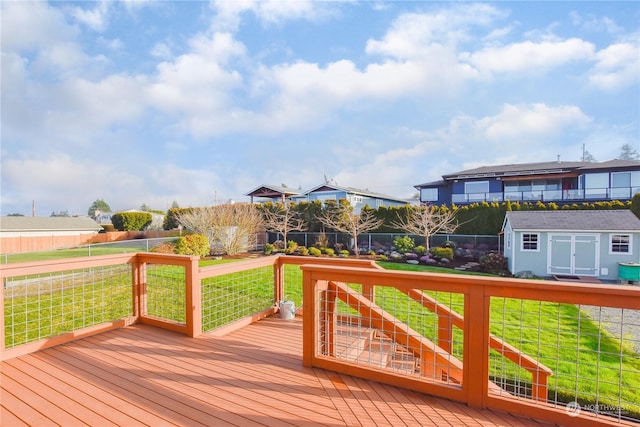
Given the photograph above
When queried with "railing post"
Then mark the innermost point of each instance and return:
(193, 296)
(308, 319)
(139, 291)
(476, 347)
(278, 280)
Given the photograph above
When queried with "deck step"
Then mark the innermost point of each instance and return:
(352, 341)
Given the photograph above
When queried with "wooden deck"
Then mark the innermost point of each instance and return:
(142, 375)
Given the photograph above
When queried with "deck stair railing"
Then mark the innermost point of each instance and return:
(434, 362)
(448, 318)
(380, 340)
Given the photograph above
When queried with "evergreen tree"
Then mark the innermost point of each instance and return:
(98, 205)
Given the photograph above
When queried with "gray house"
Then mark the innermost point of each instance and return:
(572, 242)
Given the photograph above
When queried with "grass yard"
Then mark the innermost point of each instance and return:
(67, 253)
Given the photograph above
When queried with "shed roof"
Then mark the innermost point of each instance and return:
(40, 223)
(574, 220)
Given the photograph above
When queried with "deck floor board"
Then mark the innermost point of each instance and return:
(142, 375)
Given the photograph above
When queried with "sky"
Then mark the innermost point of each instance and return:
(199, 103)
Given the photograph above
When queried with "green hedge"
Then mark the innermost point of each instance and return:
(131, 221)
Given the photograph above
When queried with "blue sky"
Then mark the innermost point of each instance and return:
(200, 102)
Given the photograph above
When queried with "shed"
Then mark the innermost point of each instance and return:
(571, 242)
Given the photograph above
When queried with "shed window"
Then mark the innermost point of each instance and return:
(620, 244)
(530, 241)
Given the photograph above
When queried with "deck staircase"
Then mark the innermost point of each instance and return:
(379, 340)
(369, 346)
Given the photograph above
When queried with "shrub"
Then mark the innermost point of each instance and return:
(291, 247)
(420, 250)
(450, 244)
(131, 221)
(404, 244)
(440, 252)
(193, 244)
(494, 263)
(329, 252)
(302, 250)
(344, 253)
(106, 228)
(268, 248)
(313, 251)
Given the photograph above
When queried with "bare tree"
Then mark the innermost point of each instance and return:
(342, 218)
(426, 221)
(231, 227)
(282, 218)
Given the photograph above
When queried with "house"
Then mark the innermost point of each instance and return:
(25, 233)
(273, 193)
(559, 182)
(357, 198)
(571, 242)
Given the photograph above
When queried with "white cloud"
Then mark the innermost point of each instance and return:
(529, 56)
(97, 18)
(595, 23)
(518, 122)
(269, 12)
(617, 66)
(415, 34)
(30, 26)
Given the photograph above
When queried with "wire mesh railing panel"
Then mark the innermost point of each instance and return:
(166, 292)
(46, 305)
(593, 351)
(398, 334)
(293, 284)
(230, 297)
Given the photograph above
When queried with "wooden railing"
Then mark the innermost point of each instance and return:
(317, 273)
(322, 284)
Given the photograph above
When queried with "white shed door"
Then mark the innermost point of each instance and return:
(573, 254)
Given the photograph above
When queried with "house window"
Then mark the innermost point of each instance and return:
(476, 191)
(530, 241)
(620, 244)
(429, 194)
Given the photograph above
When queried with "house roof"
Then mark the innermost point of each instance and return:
(517, 169)
(574, 220)
(352, 190)
(271, 191)
(41, 223)
(613, 164)
(542, 168)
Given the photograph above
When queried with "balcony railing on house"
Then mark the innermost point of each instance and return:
(563, 196)
(558, 352)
